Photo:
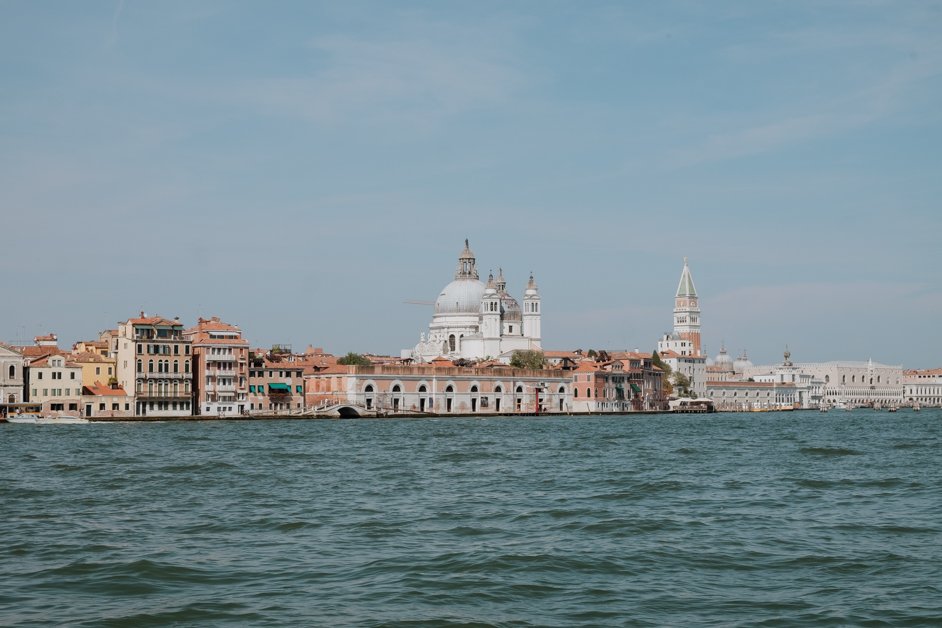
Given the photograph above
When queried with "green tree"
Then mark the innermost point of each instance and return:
(527, 359)
(592, 353)
(682, 384)
(666, 387)
(354, 359)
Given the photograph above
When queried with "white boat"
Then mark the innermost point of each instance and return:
(25, 417)
(64, 419)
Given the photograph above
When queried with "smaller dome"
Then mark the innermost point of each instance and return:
(723, 358)
(509, 308)
(741, 363)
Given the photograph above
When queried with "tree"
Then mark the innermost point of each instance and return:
(527, 359)
(682, 384)
(354, 359)
(666, 387)
(592, 353)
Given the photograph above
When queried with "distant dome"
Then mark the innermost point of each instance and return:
(723, 359)
(742, 363)
(510, 308)
(461, 296)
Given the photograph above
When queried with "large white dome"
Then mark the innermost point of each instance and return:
(461, 296)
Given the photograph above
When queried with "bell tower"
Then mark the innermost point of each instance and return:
(532, 311)
(687, 311)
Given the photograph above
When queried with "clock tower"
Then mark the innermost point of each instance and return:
(687, 311)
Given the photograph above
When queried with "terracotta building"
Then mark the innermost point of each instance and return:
(220, 365)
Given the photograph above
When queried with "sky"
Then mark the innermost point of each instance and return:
(302, 169)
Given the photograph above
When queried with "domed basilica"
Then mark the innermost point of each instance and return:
(474, 320)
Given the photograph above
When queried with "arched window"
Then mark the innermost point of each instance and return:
(176, 366)
(422, 388)
(12, 371)
(474, 389)
(519, 389)
(498, 389)
(451, 342)
(396, 388)
(575, 393)
(588, 392)
(150, 366)
(186, 366)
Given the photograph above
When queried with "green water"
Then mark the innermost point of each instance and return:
(783, 519)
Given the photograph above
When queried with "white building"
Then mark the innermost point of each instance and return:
(12, 364)
(923, 388)
(857, 383)
(474, 320)
(681, 349)
(808, 391)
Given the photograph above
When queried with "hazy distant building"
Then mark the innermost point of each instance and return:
(474, 320)
(923, 388)
(845, 383)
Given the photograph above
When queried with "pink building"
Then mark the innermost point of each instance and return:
(441, 388)
(220, 363)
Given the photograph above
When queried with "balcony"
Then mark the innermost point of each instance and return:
(174, 376)
(221, 372)
(220, 358)
(162, 394)
(221, 388)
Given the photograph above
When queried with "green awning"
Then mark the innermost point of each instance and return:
(279, 388)
(636, 388)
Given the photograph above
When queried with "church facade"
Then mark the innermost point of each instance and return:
(474, 320)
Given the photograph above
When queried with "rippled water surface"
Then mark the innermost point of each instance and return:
(784, 519)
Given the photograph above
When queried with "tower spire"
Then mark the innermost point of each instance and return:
(466, 264)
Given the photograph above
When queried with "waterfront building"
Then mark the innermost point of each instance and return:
(809, 391)
(55, 383)
(276, 382)
(12, 377)
(220, 368)
(850, 383)
(751, 396)
(681, 349)
(474, 321)
(605, 387)
(154, 364)
(106, 400)
(923, 387)
(95, 366)
(440, 387)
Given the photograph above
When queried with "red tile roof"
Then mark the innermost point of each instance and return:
(103, 390)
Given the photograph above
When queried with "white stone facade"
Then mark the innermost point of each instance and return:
(475, 321)
(923, 388)
(12, 365)
(857, 383)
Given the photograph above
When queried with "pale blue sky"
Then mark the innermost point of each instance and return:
(300, 169)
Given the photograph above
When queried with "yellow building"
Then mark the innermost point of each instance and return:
(95, 367)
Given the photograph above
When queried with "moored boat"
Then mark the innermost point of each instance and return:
(64, 419)
(25, 417)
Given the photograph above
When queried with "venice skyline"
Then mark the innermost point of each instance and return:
(304, 172)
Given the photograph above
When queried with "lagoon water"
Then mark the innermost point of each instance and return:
(785, 519)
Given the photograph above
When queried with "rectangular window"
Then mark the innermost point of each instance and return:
(97, 370)
(72, 375)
